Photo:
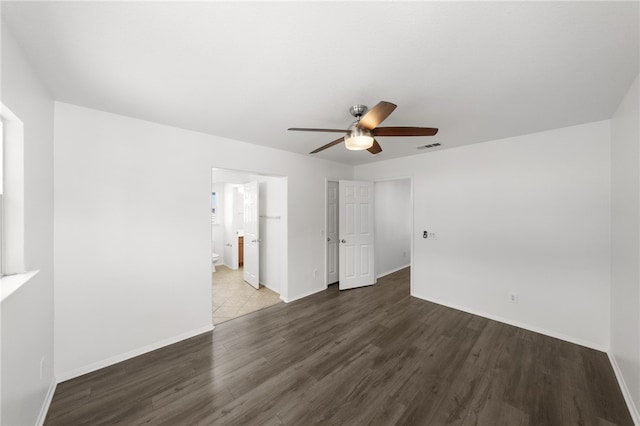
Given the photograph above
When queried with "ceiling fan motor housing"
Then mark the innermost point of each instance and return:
(358, 110)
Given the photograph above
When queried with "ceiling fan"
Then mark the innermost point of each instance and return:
(362, 132)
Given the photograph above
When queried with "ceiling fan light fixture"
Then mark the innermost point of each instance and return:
(358, 139)
(360, 135)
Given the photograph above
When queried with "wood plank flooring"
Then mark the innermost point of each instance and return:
(367, 356)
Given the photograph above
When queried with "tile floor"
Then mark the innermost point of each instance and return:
(233, 297)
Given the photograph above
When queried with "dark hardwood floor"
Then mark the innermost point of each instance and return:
(367, 356)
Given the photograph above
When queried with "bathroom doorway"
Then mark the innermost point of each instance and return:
(240, 237)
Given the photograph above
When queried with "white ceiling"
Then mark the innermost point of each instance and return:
(476, 70)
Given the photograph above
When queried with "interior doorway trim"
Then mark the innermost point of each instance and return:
(412, 208)
(282, 216)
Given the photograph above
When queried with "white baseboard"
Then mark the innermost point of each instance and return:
(68, 375)
(382, 274)
(565, 337)
(47, 402)
(302, 296)
(633, 410)
(270, 288)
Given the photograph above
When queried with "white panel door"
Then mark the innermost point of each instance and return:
(251, 235)
(355, 224)
(332, 232)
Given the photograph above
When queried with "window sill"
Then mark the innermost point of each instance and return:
(11, 283)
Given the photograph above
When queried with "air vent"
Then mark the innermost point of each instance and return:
(432, 145)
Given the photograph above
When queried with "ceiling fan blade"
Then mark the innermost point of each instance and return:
(405, 131)
(376, 115)
(304, 129)
(329, 145)
(375, 148)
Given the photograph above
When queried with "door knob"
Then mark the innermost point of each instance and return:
(343, 241)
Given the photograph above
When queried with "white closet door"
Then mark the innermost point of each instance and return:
(356, 227)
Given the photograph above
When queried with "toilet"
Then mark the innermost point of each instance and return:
(214, 259)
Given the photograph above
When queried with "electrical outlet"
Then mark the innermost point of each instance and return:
(315, 273)
(513, 297)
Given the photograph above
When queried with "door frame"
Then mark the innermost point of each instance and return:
(413, 227)
(282, 264)
(413, 230)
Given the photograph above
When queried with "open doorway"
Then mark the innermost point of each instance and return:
(393, 224)
(248, 229)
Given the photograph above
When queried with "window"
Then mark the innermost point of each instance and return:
(12, 194)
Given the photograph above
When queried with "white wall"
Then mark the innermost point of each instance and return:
(528, 214)
(625, 246)
(393, 221)
(132, 226)
(27, 314)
